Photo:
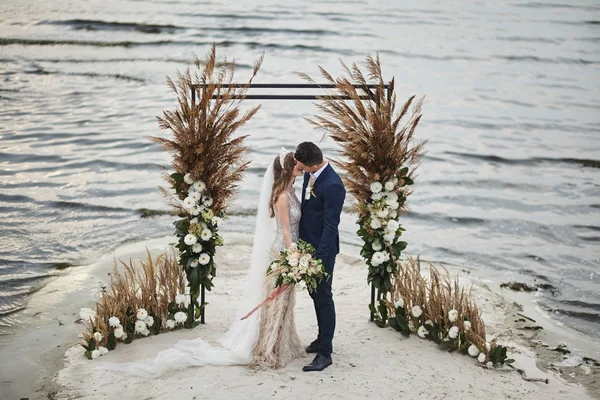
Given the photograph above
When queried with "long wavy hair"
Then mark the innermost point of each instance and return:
(281, 180)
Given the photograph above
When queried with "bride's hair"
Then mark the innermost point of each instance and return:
(281, 178)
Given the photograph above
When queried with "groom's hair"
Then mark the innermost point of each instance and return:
(308, 154)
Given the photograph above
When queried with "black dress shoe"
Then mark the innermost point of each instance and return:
(313, 347)
(318, 364)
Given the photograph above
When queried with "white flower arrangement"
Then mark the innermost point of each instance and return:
(118, 332)
(422, 332)
(416, 311)
(473, 351)
(389, 186)
(452, 315)
(375, 223)
(199, 186)
(140, 326)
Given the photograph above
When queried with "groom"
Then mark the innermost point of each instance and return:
(323, 195)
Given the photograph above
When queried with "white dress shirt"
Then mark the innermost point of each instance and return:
(316, 174)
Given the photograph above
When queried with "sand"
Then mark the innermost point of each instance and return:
(368, 361)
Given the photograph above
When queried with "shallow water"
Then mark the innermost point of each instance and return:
(509, 187)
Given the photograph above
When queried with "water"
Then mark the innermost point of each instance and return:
(509, 188)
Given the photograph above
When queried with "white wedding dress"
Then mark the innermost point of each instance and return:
(278, 344)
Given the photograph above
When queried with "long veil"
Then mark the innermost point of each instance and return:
(239, 340)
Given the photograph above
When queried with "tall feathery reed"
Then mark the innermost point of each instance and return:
(140, 300)
(208, 162)
(379, 155)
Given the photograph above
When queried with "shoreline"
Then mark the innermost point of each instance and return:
(54, 309)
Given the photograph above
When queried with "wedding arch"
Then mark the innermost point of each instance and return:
(369, 94)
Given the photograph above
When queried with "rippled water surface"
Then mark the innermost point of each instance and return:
(510, 186)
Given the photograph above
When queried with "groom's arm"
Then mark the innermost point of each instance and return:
(333, 203)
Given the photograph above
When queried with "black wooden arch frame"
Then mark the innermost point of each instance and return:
(369, 95)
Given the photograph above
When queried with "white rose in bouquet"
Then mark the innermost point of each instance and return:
(376, 196)
(393, 225)
(377, 259)
(375, 223)
(293, 261)
(389, 186)
(382, 213)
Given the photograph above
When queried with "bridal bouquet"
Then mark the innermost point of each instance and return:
(296, 265)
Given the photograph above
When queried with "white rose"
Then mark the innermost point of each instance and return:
(393, 205)
(376, 187)
(190, 239)
(481, 358)
(149, 321)
(199, 186)
(181, 299)
(453, 332)
(473, 351)
(293, 261)
(393, 225)
(452, 315)
(118, 332)
(180, 317)
(206, 234)
(416, 311)
(170, 324)
(393, 214)
(467, 326)
(375, 223)
(187, 178)
(204, 259)
(140, 326)
(389, 237)
(422, 332)
(376, 245)
(377, 258)
(376, 196)
(114, 322)
(98, 337)
(399, 303)
(103, 350)
(382, 213)
(389, 186)
(141, 314)
(95, 354)
(196, 248)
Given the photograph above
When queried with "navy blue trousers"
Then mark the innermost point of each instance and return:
(325, 309)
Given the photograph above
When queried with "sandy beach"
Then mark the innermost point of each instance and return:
(368, 361)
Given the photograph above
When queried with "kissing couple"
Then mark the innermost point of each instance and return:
(269, 338)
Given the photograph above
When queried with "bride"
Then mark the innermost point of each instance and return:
(268, 337)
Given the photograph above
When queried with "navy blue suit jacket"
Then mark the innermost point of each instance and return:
(321, 213)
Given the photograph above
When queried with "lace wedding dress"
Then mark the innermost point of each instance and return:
(278, 340)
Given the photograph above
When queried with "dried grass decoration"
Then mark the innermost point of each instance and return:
(208, 162)
(379, 155)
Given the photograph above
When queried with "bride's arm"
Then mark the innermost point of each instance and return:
(283, 208)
